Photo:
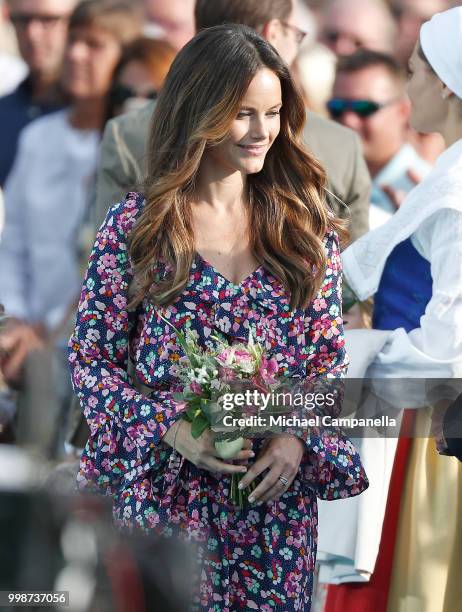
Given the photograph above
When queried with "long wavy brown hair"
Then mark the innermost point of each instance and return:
(288, 215)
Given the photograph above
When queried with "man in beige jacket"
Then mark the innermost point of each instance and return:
(123, 153)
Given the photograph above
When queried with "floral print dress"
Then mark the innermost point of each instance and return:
(261, 557)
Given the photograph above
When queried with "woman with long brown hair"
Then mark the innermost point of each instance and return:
(232, 237)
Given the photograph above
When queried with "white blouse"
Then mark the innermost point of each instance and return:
(432, 216)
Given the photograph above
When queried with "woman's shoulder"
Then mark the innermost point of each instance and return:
(331, 243)
(123, 215)
(331, 240)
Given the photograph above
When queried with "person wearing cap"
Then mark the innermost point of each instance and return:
(421, 247)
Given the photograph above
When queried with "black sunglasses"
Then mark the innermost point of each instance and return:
(120, 94)
(362, 108)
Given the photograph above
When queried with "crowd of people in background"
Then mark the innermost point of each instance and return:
(349, 56)
(68, 68)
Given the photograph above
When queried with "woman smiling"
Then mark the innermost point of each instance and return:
(231, 238)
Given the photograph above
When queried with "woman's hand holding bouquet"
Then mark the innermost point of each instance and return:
(202, 452)
(205, 375)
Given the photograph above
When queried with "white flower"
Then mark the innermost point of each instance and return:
(191, 338)
(247, 366)
(127, 512)
(201, 375)
(226, 355)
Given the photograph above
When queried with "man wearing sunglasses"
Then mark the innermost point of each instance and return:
(124, 141)
(41, 30)
(369, 97)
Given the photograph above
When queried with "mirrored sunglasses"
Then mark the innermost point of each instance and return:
(363, 108)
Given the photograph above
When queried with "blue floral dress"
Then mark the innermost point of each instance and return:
(261, 557)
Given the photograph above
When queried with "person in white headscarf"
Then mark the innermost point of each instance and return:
(412, 265)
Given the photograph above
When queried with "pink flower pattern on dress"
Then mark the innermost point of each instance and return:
(263, 556)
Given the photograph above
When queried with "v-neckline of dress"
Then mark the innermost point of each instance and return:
(222, 276)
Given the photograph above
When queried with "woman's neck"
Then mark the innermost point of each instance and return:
(88, 114)
(221, 189)
(452, 129)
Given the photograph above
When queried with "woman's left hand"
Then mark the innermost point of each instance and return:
(283, 456)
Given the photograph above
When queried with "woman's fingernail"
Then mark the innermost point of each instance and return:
(251, 499)
(241, 486)
(251, 454)
(243, 469)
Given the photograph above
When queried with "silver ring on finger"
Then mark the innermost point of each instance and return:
(284, 480)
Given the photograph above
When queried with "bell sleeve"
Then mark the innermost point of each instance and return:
(332, 464)
(126, 427)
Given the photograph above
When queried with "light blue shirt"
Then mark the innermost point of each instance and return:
(394, 175)
(45, 201)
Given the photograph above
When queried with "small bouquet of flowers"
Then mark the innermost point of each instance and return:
(205, 375)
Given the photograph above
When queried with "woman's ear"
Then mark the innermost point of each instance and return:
(446, 92)
(404, 106)
(271, 30)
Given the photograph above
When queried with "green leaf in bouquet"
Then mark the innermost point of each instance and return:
(191, 397)
(182, 341)
(206, 406)
(222, 343)
(194, 360)
(180, 397)
(195, 402)
(199, 425)
(192, 412)
(180, 335)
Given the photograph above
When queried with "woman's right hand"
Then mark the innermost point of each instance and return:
(201, 451)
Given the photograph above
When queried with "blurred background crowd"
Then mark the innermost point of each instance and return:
(76, 65)
(68, 67)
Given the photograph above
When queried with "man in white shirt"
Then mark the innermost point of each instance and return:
(369, 97)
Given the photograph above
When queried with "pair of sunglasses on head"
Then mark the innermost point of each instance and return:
(363, 108)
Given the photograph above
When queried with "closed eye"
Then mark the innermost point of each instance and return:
(249, 113)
